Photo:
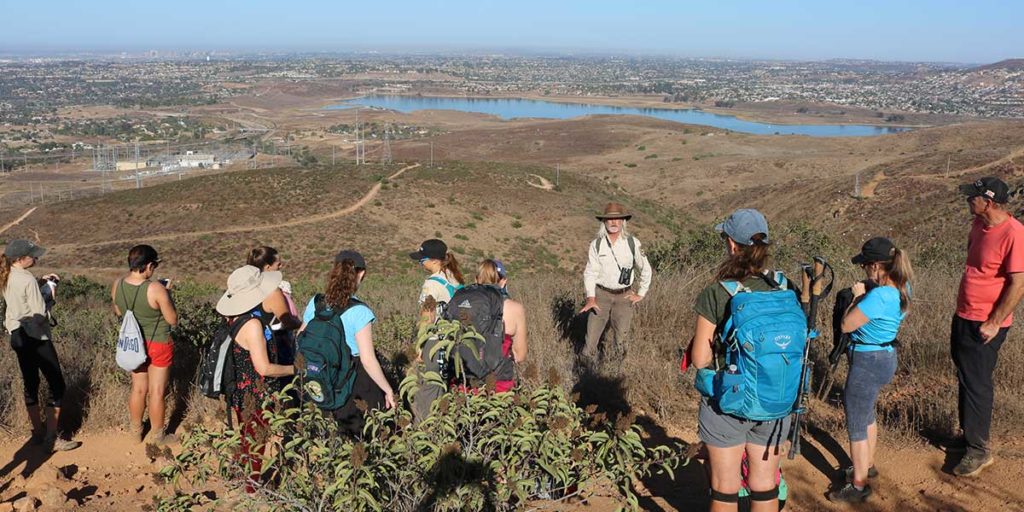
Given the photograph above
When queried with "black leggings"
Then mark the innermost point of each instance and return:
(350, 419)
(35, 356)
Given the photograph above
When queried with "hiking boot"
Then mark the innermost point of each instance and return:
(872, 473)
(849, 494)
(56, 444)
(164, 439)
(972, 463)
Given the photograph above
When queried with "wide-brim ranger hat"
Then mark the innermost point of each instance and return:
(20, 248)
(614, 211)
(878, 249)
(989, 187)
(743, 225)
(247, 287)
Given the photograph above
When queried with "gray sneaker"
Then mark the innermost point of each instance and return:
(972, 463)
(56, 444)
(849, 494)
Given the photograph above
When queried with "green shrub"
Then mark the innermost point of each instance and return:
(482, 451)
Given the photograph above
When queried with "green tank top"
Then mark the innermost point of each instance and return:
(151, 321)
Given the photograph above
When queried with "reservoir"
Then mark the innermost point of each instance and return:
(510, 108)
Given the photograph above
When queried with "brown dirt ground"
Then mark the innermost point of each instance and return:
(110, 473)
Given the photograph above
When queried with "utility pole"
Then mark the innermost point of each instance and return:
(334, 156)
(431, 154)
(856, 186)
(947, 166)
(557, 174)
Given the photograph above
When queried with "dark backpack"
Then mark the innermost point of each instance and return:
(216, 374)
(482, 306)
(330, 366)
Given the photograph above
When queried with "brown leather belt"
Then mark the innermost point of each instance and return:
(620, 291)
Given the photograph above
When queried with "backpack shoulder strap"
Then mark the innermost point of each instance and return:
(781, 280)
(597, 245)
(733, 287)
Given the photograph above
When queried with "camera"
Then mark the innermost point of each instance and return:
(626, 276)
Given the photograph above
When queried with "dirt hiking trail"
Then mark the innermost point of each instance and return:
(109, 472)
(372, 193)
(17, 221)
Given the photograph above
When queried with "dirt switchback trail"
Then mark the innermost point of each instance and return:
(245, 229)
(17, 221)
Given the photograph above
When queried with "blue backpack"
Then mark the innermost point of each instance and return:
(764, 337)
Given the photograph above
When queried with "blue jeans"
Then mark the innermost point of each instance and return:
(869, 371)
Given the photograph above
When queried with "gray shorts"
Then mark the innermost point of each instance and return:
(721, 430)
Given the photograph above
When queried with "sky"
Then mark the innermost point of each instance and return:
(975, 31)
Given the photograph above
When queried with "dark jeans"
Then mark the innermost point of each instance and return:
(975, 362)
(34, 357)
(350, 418)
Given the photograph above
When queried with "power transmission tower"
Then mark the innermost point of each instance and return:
(431, 155)
(360, 145)
(856, 185)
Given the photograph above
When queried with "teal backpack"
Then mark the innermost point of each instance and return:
(764, 338)
(329, 364)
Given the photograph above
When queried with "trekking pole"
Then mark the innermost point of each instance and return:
(813, 280)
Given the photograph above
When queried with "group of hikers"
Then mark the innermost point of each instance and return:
(749, 341)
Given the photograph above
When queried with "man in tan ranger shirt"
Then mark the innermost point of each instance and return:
(613, 264)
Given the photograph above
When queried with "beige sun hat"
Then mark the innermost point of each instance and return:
(247, 287)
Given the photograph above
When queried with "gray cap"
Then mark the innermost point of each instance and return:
(21, 248)
(743, 224)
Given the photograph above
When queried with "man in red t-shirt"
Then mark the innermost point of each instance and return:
(990, 289)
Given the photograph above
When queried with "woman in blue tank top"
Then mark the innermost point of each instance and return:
(873, 322)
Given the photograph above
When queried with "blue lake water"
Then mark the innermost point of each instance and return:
(509, 108)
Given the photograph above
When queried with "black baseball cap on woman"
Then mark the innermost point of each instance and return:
(434, 249)
(875, 250)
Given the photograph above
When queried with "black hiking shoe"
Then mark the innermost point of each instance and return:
(849, 494)
(972, 463)
(848, 472)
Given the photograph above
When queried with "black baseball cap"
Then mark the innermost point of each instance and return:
(434, 249)
(348, 254)
(21, 248)
(988, 187)
(874, 250)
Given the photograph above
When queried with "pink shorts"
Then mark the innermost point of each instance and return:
(158, 354)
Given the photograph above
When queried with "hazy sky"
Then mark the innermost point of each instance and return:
(940, 30)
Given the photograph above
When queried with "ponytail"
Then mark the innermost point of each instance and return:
(5, 271)
(748, 260)
(900, 273)
(342, 283)
(451, 266)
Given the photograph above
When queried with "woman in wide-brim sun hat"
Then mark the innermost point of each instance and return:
(247, 287)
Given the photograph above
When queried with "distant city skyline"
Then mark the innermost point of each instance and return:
(935, 31)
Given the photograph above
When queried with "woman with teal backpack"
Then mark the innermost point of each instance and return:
(873, 321)
(370, 385)
(746, 437)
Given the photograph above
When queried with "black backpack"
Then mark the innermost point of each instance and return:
(482, 306)
(216, 373)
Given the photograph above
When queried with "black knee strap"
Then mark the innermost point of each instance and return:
(725, 498)
(764, 495)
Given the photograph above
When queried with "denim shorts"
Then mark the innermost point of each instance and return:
(869, 371)
(721, 430)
